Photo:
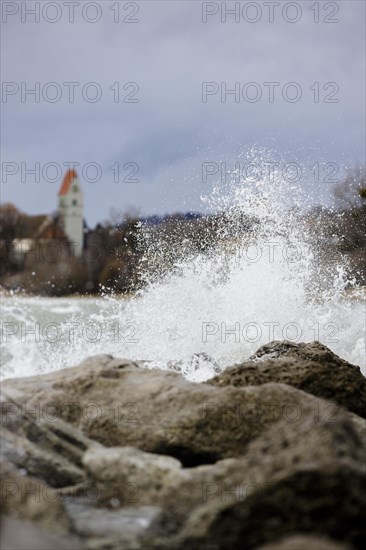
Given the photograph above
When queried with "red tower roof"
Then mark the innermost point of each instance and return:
(67, 181)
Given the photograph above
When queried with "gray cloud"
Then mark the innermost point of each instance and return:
(170, 132)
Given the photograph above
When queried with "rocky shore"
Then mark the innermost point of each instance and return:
(109, 455)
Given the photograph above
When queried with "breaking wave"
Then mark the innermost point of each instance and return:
(266, 275)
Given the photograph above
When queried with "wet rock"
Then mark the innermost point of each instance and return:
(22, 535)
(125, 475)
(120, 528)
(48, 466)
(159, 411)
(44, 427)
(28, 498)
(308, 477)
(129, 458)
(313, 351)
(304, 542)
(309, 367)
(200, 364)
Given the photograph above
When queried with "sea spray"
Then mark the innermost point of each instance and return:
(261, 271)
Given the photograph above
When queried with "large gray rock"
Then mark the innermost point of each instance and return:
(125, 475)
(131, 458)
(29, 498)
(106, 528)
(116, 403)
(307, 477)
(51, 467)
(23, 535)
(309, 367)
(304, 542)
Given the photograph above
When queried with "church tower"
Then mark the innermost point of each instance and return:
(70, 210)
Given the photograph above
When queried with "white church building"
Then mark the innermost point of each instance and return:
(71, 211)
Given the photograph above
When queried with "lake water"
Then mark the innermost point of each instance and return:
(214, 309)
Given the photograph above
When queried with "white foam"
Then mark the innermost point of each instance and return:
(303, 300)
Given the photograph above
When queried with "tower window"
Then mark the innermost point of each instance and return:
(74, 202)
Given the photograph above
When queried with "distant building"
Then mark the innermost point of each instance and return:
(71, 211)
(35, 232)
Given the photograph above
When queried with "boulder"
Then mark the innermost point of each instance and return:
(127, 476)
(313, 351)
(309, 367)
(127, 457)
(304, 542)
(105, 528)
(308, 477)
(24, 535)
(28, 498)
(116, 403)
(51, 467)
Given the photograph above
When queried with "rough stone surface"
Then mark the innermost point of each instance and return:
(127, 458)
(308, 476)
(36, 461)
(23, 535)
(125, 475)
(29, 498)
(309, 367)
(304, 542)
(158, 411)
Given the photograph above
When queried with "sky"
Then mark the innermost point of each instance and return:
(148, 118)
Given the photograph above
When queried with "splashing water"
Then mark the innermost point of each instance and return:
(266, 277)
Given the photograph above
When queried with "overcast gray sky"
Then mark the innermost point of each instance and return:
(170, 131)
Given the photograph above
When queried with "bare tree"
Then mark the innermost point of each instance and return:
(350, 193)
